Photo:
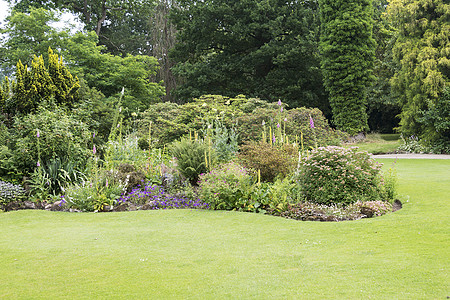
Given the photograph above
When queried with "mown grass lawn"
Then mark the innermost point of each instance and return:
(187, 254)
(378, 143)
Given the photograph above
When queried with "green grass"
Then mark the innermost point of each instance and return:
(378, 143)
(186, 254)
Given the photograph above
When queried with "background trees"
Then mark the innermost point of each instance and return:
(264, 49)
(347, 50)
(422, 51)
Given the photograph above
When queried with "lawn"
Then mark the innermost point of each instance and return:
(187, 254)
(378, 143)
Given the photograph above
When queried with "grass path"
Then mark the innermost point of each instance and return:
(185, 254)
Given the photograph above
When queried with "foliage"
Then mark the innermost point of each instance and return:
(421, 51)
(155, 197)
(41, 83)
(10, 192)
(170, 121)
(60, 135)
(265, 49)
(382, 105)
(226, 187)
(335, 175)
(29, 34)
(294, 125)
(224, 141)
(271, 161)
(437, 121)
(124, 151)
(194, 157)
(347, 49)
(102, 189)
(412, 144)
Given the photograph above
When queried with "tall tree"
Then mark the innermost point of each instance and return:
(382, 105)
(422, 50)
(347, 49)
(261, 48)
(121, 25)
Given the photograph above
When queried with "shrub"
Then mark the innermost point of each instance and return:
(60, 135)
(102, 189)
(295, 123)
(223, 140)
(10, 192)
(338, 175)
(193, 158)
(226, 187)
(272, 161)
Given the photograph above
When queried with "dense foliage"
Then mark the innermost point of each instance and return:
(265, 49)
(421, 51)
(338, 175)
(347, 51)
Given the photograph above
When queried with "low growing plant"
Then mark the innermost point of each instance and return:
(10, 192)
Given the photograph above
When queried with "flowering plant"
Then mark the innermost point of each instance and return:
(338, 175)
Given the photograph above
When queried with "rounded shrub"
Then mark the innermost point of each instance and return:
(333, 174)
(272, 161)
(226, 187)
(193, 158)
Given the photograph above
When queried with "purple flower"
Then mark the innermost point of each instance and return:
(38, 164)
(281, 109)
(285, 119)
(279, 102)
(37, 134)
(278, 125)
(311, 122)
(94, 150)
(273, 138)
(93, 135)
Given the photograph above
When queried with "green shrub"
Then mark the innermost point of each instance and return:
(338, 175)
(193, 158)
(272, 161)
(294, 123)
(102, 189)
(224, 141)
(226, 187)
(60, 135)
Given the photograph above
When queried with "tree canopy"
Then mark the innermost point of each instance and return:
(266, 49)
(422, 51)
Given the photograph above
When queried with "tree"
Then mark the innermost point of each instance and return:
(382, 105)
(37, 84)
(261, 48)
(347, 50)
(421, 50)
(84, 57)
(121, 25)
(28, 34)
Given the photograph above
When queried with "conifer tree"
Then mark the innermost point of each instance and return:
(66, 85)
(347, 55)
(37, 84)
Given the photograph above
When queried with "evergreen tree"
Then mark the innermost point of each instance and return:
(37, 84)
(66, 85)
(347, 50)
